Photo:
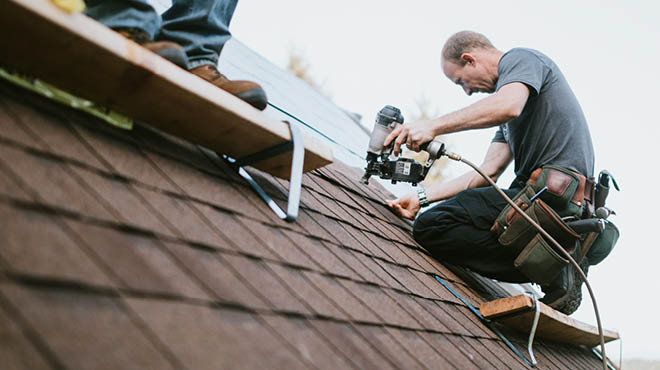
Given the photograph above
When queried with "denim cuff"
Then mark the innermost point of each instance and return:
(200, 62)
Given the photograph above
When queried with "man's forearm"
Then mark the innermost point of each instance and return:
(488, 112)
(497, 159)
(452, 187)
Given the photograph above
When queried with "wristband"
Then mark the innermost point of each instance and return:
(421, 195)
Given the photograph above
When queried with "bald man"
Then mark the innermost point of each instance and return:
(540, 123)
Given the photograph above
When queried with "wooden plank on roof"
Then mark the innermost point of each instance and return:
(517, 312)
(82, 56)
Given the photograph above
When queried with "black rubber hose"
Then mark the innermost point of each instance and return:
(457, 157)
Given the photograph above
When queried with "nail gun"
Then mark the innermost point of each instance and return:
(400, 169)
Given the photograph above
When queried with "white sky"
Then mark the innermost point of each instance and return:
(372, 53)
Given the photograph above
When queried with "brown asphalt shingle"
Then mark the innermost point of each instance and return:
(309, 293)
(388, 310)
(37, 171)
(43, 135)
(17, 350)
(309, 343)
(351, 259)
(386, 342)
(33, 244)
(322, 254)
(85, 331)
(238, 237)
(422, 350)
(138, 250)
(214, 275)
(11, 127)
(355, 346)
(183, 218)
(139, 262)
(11, 187)
(347, 300)
(123, 157)
(202, 337)
(259, 276)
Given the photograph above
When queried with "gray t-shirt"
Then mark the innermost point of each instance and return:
(551, 128)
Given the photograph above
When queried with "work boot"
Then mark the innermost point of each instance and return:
(564, 294)
(166, 49)
(247, 91)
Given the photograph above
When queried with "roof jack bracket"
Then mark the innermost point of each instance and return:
(489, 323)
(295, 182)
(532, 332)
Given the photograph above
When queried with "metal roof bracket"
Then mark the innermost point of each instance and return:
(297, 147)
(488, 323)
(535, 322)
(532, 332)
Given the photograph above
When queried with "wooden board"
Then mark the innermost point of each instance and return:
(82, 56)
(516, 312)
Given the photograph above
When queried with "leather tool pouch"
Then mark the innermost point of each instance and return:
(537, 259)
(565, 189)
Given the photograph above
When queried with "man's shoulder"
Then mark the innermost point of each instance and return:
(516, 53)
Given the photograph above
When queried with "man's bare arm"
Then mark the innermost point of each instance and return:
(506, 104)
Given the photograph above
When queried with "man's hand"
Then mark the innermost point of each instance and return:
(413, 134)
(407, 206)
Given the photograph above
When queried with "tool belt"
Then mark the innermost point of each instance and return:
(551, 193)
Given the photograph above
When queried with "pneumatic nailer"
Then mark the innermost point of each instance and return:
(400, 169)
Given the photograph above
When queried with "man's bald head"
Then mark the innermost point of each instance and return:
(464, 42)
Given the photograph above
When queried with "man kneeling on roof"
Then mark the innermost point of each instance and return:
(542, 129)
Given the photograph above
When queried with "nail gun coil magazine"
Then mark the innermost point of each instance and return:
(400, 169)
(403, 168)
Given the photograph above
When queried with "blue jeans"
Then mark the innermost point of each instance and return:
(201, 27)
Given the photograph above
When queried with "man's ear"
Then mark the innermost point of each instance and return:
(468, 58)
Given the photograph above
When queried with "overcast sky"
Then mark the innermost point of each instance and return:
(372, 53)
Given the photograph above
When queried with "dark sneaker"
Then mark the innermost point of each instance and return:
(564, 294)
(166, 49)
(247, 91)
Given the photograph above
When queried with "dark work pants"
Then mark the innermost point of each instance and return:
(458, 231)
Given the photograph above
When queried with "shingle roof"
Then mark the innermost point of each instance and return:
(134, 249)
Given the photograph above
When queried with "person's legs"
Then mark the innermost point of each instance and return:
(124, 14)
(200, 26)
(458, 231)
(192, 35)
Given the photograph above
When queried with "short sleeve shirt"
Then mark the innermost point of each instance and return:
(552, 128)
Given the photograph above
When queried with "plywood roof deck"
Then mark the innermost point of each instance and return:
(80, 55)
(518, 312)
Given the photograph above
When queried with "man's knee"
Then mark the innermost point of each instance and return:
(419, 226)
(430, 224)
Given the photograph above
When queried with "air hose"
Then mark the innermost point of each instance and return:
(547, 236)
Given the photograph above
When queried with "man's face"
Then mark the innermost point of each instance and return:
(472, 77)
